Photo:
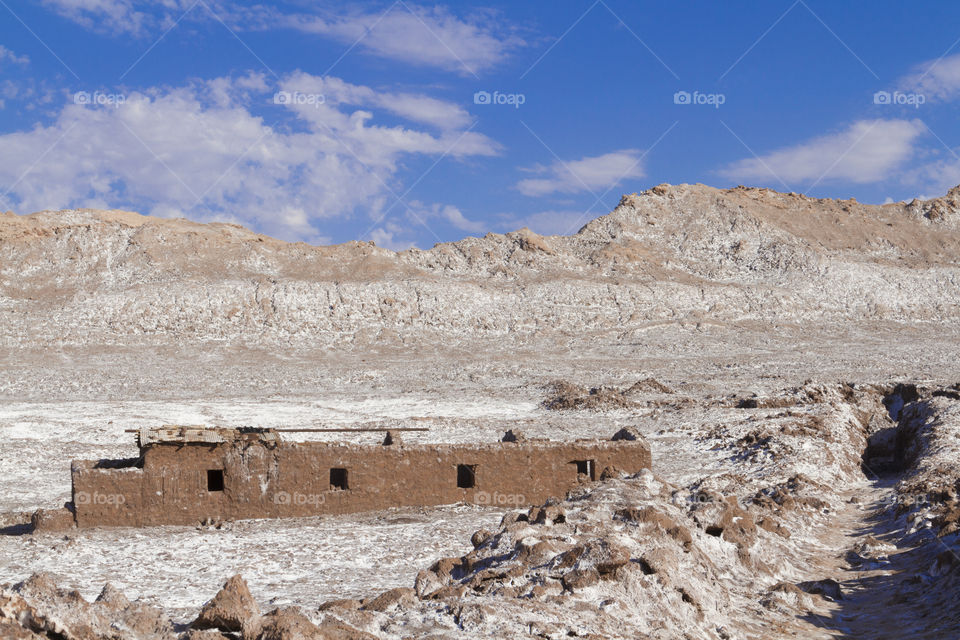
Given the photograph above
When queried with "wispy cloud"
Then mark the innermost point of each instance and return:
(392, 236)
(937, 175)
(866, 151)
(936, 79)
(197, 151)
(430, 36)
(399, 232)
(585, 174)
(406, 32)
(121, 16)
(455, 217)
(8, 56)
(410, 106)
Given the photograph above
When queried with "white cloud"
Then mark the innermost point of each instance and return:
(31, 94)
(197, 151)
(424, 109)
(866, 151)
(428, 36)
(406, 32)
(410, 106)
(586, 174)
(397, 231)
(223, 91)
(319, 106)
(121, 16)
(936, 176)
(935, 79)
(388, 237)
(420, 213)
(6, 55)
(455, 217)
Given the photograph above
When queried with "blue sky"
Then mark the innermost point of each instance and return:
(409, 123)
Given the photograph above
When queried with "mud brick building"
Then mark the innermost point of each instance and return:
(187, 475)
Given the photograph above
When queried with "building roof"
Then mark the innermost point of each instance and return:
(201, 434)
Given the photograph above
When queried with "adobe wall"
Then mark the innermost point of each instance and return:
(293, 479)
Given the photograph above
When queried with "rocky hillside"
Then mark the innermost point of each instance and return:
(674, 254)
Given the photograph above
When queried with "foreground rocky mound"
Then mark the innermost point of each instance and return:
(36, 609)
(685, 253)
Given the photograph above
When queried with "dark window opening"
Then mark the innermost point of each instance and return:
(338, 479)
(466, 476)
(214, 479)
(585, 467)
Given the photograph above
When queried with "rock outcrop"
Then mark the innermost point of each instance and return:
(38, 609)
(232, 609)
(37, 606)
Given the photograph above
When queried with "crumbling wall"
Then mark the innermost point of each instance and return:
(186, 484)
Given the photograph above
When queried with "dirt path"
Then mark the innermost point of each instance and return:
(884, 577)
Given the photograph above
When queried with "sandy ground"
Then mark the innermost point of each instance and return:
(300, 561)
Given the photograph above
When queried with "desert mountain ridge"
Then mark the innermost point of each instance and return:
(686, 253)
(937, 210)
